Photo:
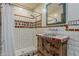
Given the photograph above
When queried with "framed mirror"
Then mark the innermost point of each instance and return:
(56, 13)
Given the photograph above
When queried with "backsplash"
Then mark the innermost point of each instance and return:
(56, 30)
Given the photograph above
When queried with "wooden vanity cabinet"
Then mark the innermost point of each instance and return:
(51, 46)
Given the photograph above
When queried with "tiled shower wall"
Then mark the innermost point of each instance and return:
(24, 40)
(73, 14)
(24, 37)
(73, 44)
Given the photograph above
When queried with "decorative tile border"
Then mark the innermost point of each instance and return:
(76, 29)
(25, 24)
(72, 29)
(38, 24)
(73, 23)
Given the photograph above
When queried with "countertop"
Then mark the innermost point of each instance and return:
(58, 36)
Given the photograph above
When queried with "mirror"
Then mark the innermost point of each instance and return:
(56, 13)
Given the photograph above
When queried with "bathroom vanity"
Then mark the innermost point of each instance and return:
(51, 45)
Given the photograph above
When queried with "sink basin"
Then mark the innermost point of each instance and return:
(49, 34)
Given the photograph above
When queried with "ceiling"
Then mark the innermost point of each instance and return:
(30, 6)
(53, 8)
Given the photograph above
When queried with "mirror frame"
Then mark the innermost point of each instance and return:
(64, 12)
